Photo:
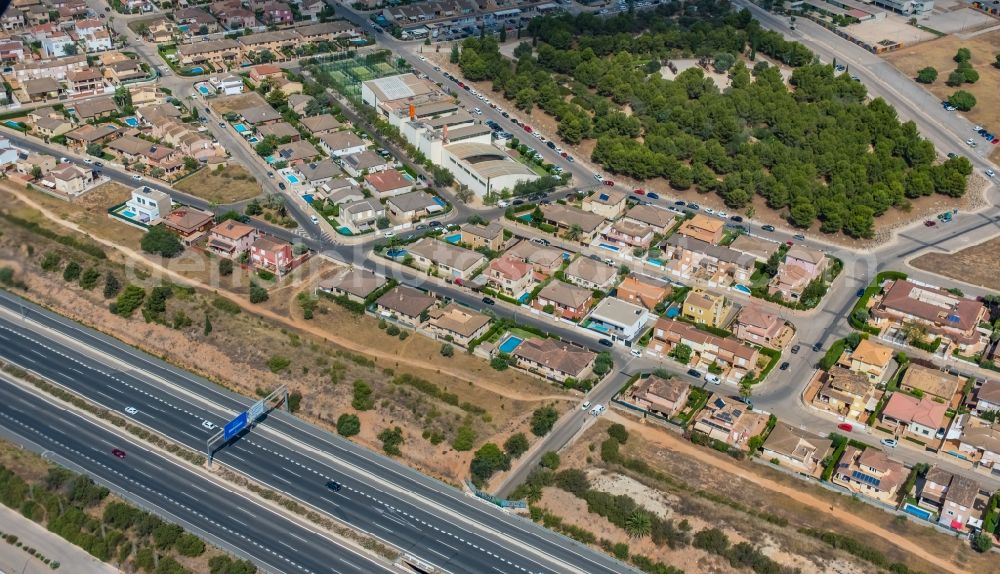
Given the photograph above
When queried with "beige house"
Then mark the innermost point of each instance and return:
(609, 204)
(930, 383)
(544, 260)
(457, 324)
(355, 283)
(870, 472)
(847, 393)
(590, 274)
(565, 300)
(489, 236)
(406, 305)
(729, 420)
(451, 261)
(665, 397)
(943, 314)
(554, 360)
(642, 290)
(231, 239)
(704, 307)
(797, 449)
(703, 228)
(871, 360)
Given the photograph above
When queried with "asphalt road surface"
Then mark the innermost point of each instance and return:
(382, 497)
(172, 490)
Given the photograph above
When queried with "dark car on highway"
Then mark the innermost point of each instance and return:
(118, 453)
(694, 373)
(333, 485)
(489, 301)
(817, 347)
(606, 342)
(784, 366)
(767, 227)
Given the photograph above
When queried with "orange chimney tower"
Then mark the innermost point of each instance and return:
(413, 112)
(444, 133)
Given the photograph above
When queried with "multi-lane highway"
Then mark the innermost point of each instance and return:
(419, 515)
(229, 519)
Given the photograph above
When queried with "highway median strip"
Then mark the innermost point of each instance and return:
(368, 543)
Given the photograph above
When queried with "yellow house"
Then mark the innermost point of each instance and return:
(704, 307)
(871, 359)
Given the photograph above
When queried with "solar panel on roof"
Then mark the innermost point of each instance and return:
(719, 403)
(394, 88)
(862, 477)
(604, 197)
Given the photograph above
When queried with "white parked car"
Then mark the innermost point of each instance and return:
(388, 233)
(635, 353)
(585, 405)
(597, 410)
(131, 410)
(977, 128)
(990, 173)
(714, 379)
(503, 203)
(314, 219)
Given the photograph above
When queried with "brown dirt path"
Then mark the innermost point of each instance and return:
(296, 323)
(668, 440)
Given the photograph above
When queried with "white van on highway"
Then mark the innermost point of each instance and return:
(597, 410)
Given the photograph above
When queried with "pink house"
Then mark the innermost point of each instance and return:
(277, 13)
(800, 267)
(271, 254)
(231, 239)
(510, 276)
(755, 325)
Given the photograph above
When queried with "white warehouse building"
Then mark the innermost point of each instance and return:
(484, 168)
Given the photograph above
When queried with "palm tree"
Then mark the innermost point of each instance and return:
(574, 232)
(746, 388)
(914, 331)
(638, 524)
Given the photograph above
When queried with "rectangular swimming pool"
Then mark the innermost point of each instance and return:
(917, 511)
(241, 128)
(453, 239)
(291, 178)
(510, 344)
(204, 90)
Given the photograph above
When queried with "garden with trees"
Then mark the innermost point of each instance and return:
(815, 150)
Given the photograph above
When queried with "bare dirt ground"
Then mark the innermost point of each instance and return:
(977, 264)
(236, 103)
(939, 53)
(326, 354)
(225, 184)
(919, 209)
(760, 488)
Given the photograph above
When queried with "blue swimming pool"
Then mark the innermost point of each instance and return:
(673, 312)
(526, 217)
(131, 122)
(204, 90)
(656, 262)
(12, 124)
(269, 158)
(253, 139)
(128, 213)
(344, 230)
(510, 344)
(197, 70)
(395, 253)
(308, 198)
(454, 238)
(742, 288)
(609, 247)
(524, 298)
(440, 201)
(241, 128)
(599, 327)
(917, 511)
(184, 28)
(291, 178)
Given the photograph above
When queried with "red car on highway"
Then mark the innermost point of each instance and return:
(845, 427)
(118, 453)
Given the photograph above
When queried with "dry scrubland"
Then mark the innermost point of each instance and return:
(255, 348)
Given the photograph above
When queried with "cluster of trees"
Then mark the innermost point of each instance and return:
(158, 240)
(826, 153)
(69, 506)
